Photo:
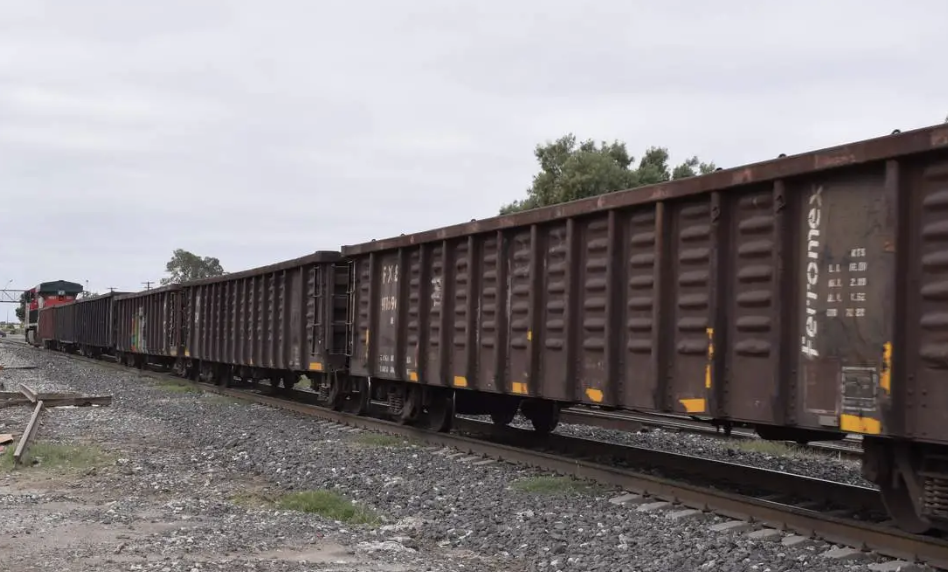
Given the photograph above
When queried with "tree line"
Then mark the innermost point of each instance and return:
(572, 169)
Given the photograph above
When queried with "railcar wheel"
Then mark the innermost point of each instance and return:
(503, 411)
(503, 416)
(543, 415)
(439, 414)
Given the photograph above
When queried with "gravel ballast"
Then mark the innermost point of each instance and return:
(189, 481)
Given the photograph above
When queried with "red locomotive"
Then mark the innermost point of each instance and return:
(45, 295)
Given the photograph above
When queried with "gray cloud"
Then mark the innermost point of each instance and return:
(255, 132)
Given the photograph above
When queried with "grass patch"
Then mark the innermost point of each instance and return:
(380, 440)
(304, 384)
(773, 448)
(56, 456)
(330, 505)
(553, 485)
(177, 387)
(325, 503)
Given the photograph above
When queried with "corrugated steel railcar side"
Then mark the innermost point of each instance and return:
(275, 319)
(803, 292)
(65, 325)
(147, 325)
(95, 322)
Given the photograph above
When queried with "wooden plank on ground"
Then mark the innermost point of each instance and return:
(79, 401)
(27, 434)
(29, 393)
(43, 396)
(66, 401)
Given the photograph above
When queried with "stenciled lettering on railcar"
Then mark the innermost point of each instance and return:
(435, 292)
(390, 274)
(814, 245)
(389, 299)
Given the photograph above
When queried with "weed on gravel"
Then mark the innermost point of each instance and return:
(57, 456)
(328, 504)
(177, 387)
(772, 448)
(554, 485)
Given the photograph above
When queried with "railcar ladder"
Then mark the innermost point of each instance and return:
(350, 307)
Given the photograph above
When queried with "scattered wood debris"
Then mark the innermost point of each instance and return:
(11, 398)
(27, 396)
(29, 393)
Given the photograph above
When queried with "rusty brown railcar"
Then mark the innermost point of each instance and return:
(147, 326)
(273, 322)
(805, 295)
(64, 325)
(95, 324)
(47, 327)
(86, 325)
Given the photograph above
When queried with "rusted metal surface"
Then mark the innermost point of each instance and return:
(147, 322)
(46, 324)
(64, 323)
(287, 316)
(95, 323)
(806, 292)
(88, 322)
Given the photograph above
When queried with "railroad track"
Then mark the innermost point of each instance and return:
(851, 446)
(634, 422)
(838, 513)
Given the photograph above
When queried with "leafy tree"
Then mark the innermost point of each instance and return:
(570, 171)
(21, 308)
(185, 266)
(86, 294)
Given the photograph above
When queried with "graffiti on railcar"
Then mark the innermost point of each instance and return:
(139, 343)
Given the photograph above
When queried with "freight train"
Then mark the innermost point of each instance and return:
(806, 296)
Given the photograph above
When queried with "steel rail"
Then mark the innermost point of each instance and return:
(632, 422)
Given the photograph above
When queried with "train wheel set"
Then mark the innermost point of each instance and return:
(803, 296)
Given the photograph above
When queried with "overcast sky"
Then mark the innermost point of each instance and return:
(261, 131)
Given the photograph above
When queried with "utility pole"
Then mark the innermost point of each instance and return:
(147, 285)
